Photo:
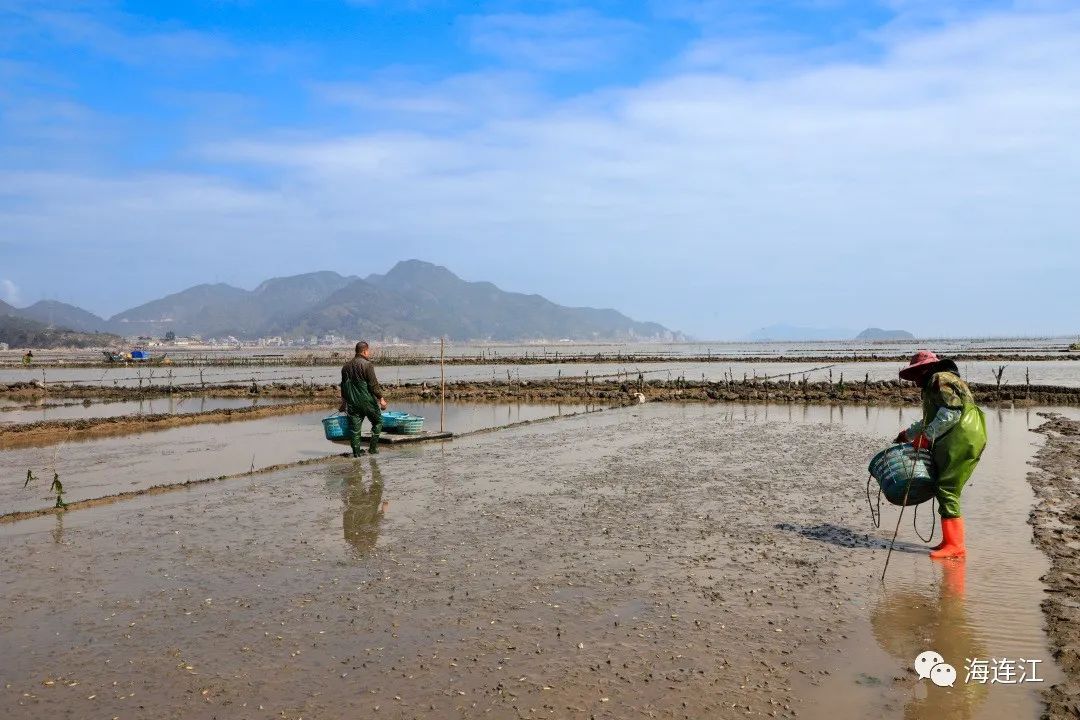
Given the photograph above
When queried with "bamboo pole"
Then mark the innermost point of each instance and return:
(442, 383)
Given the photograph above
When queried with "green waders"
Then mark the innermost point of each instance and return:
(360, 404)
(956, 454)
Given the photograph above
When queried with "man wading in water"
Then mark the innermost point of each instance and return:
(954, 429)
(362, 397)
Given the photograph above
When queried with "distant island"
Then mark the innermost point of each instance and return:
(879, 334)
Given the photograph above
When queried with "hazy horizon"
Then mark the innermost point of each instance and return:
(714, 167)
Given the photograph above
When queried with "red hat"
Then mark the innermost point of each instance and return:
(919, 360)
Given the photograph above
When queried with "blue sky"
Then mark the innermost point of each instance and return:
(714, 165)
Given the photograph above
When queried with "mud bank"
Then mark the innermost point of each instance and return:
(548, 358)
(52, 408)
(50, 432)
(1056, 522)
(611, 391)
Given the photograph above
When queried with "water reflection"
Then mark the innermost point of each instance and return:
(909, 622)
(363, 507)
(58, 529)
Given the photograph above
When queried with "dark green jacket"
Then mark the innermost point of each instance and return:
(360, 388)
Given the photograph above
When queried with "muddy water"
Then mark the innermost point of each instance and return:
(74, 409)
(106, 466)
(1058, 372)
(663, 561)
(982, 608)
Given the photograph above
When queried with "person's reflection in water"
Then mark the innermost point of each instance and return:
(908, 623)
(363, 508)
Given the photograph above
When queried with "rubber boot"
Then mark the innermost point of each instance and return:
(953, 531)
(940, 544)
(373, 445)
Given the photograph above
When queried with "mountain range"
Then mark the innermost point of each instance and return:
(415, 300)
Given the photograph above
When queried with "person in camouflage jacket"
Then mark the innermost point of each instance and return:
(953, 428)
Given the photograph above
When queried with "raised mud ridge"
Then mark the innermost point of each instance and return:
(1056, 523)
(48, 432)
(492, 357)
(584, 391)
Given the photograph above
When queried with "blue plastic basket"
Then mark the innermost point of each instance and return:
(411, 425)
(337, 427)
(897, 466)
(391, 421)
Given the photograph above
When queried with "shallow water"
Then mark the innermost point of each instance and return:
(982, 608)
(105, 466)
(75, 409)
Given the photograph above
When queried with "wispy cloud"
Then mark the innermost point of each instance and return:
(477, 96)
(105, 31)
(566, 40)
(11, 292)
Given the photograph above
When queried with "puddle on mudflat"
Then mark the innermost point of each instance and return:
(105, 466)
(76, 409)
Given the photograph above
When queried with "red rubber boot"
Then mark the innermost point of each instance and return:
(942, 543)
(953, 547)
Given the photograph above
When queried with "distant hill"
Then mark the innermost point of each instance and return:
(879, 334)
(215, 309)
(221, 310)
(63, 315)
(794, 333)
(20, 332)
(415, 300)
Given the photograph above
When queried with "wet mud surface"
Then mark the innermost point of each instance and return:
(120, 456)
(658, 561)
(50, 432)
(1056, 523)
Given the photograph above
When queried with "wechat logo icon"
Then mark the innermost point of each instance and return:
(931, 666)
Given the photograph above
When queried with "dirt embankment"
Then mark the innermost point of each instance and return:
(48, 432)
(538, 358)
(1056, 523)
(578, 391)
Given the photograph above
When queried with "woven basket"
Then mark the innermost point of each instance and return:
(391, 421)
(411, 425)
(897, 466)
(336, 427)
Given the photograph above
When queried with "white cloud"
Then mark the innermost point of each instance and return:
(466, 97)
(11, 292)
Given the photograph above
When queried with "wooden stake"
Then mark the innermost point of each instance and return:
(442, 383)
